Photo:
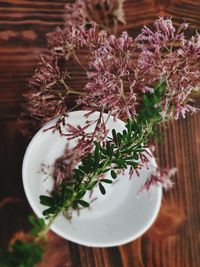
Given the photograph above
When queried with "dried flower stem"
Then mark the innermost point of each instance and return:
(69, 90)
(78, 61)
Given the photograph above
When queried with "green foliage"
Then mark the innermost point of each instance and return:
(151, 111)
(38, 224)
(107, 181)
(21, 254)
(57, 201)
(83, 203)
(121, 151)
(102, 189)
(113, 174)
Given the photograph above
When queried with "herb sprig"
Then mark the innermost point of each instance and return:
(26, 253)
(121, 151)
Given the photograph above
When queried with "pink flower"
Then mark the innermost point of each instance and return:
(161, 177)
(45, 99)
(163, 33)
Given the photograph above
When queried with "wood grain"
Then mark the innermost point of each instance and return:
(174, 239)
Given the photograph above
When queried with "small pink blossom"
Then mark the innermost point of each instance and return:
(162, 35)
(161, 177)
(64, 165)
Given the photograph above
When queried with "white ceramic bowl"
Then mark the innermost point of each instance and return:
(113, 219)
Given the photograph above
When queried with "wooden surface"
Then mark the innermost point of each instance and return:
(174, 239)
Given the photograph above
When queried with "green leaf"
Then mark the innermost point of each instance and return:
(102, 189)
(66, 193)
(46, 200)
(119, 139)
(75, 205)
(114, 135)
(79, 175)
(22, 254)
(86, 164)
(103, 151)
(80, 194)
(83, 203)
(113, 174)
(49, 211)
(82, 168)
(124, 133)
(106, 181)
(121, 162)
(96, 151)
(128, 126)
(38, 225)
(127, 145)
(149, 112)
(108, 149)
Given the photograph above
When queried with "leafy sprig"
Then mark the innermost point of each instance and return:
(120, 151)
(38, 225)
(22, 254)
(26, 253)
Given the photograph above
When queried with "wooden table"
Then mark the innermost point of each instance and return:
(174, 239)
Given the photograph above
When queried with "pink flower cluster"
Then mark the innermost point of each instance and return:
(121, 70)
(46, 100)
(167, 53)
(110, 85)
(81, 19)
(124, 69)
